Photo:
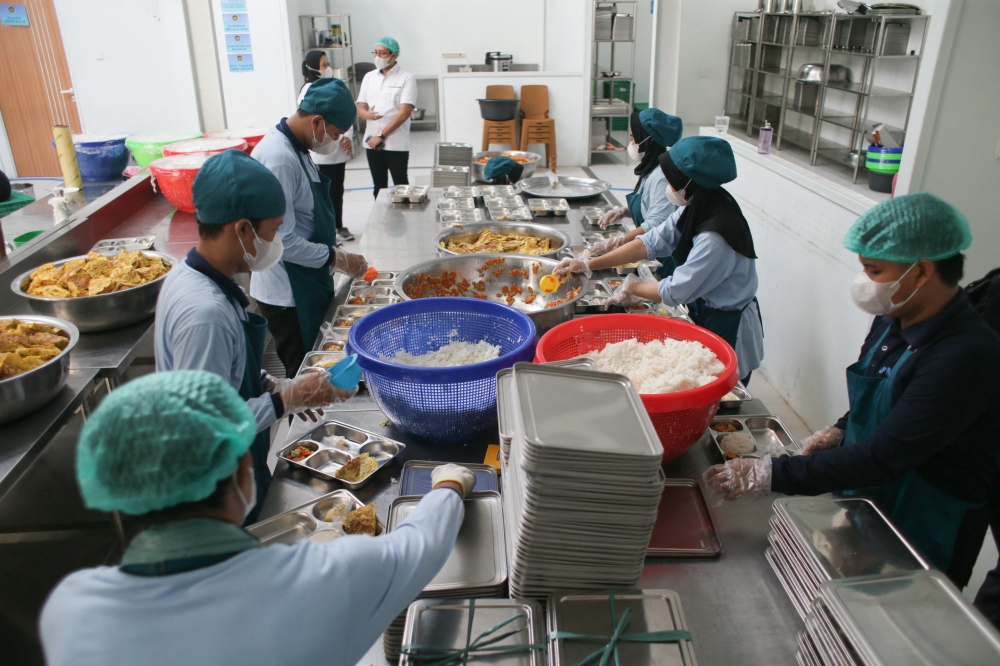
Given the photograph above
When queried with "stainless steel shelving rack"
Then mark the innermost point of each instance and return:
(829, 119)
(340, 52)
(609, 38)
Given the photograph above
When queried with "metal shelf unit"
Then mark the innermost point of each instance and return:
(614, 40)
(337, 43)
(830, 119)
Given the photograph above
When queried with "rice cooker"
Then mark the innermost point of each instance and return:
(498, 62)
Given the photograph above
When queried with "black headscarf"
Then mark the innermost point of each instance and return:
(710, 209)
(310, 66)
(651, 150)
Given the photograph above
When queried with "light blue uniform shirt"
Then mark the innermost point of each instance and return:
(656, 208)
(278, 154)
(717, 273)
(198, 327)
(305, 604)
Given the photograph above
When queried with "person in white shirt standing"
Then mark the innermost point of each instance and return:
(386, 100)
(316, 66)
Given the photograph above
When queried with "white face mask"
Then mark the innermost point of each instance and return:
(327, 146)
(248, 502)
(327, 73)
(268, 253)
(382, 63)
(633, 152)
(678, 198)
(876, 297)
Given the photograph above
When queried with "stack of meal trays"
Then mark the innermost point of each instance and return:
(819, 539)
(590, 614)
(576, 430)
(914, 617)
(446, 176)
(543, 207)
(452, 154)
(444, 624)
(476, 567)
(330, 446)
(319, 520)
(408, 193)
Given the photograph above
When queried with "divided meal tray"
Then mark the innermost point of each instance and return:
(334, 443)
(546, 207)
(408, 193)
(113, 246)
(309, 519)
(768, 433)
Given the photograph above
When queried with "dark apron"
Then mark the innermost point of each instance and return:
(929, 517)
(254, 331)
(312, 288)
(634, 203)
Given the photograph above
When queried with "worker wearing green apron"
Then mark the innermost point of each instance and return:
(296, 293)
(202, 321)
(923, 395)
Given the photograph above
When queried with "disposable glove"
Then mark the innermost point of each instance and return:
(612, 217)
(623, 296)
(353, 265)
(570, 265)
(743, 477)
(821, 440)
(607, 245)
(311, 390)
(463, 476)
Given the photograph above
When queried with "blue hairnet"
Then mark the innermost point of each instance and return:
(332, 99)
(389, 43)
(232, 186)
(707, 160)
(910, 228)
(665, 129)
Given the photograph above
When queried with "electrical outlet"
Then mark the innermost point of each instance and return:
(452, 55)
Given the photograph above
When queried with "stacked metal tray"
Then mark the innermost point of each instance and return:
(445, 624)
(916, 617)
(319, 519)
(769, 434)
(543, 207)
(818, 539)
(415, 480)
(408, 193)
(476, 567)
(591, 615)
(333, 444)
(112, 246)
(560, 533)
(446, 176)
(452, 154)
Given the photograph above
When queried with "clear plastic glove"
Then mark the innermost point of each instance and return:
(821, 440)
(606, 246)
(623, 296)
(744, 477)
(612, 217)
(268, 382)
(354, 265)
(463, 476)
(570, 265)
(311, 390)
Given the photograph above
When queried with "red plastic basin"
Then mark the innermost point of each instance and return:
(206, 145)
(174, 176)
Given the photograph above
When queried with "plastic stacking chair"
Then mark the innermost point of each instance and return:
(536, 126)
(500, 131)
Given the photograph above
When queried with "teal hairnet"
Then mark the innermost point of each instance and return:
(498, 166)
(232, 186)
(331, 99)
(162, 440)
(910, 228)
(665, 129)
(389, 43)
(707, 160)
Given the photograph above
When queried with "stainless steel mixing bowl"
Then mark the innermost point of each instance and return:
(28, 391)
(98, 313)
(468, 266)
(478, 170)
(467, 233)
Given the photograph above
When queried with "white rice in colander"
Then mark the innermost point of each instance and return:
(452, 354)
(660, 366)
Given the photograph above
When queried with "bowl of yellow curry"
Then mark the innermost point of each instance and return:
(97, 292)
(34, 362)
(502, 238)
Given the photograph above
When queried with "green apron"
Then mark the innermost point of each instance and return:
(312, 288)
(254, 332)
(185, 545)
(929, 517)
(634, 203)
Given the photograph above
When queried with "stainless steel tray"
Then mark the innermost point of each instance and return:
(567, 188)
(684, 525)
(595, 300)
(334, 443)
(456, 218)
(112, 246)
(451, 203)
(509, 214)
(353, 313)
(498, 190)
(769, 433)
(462, 192)
(415, 478)
(408, 193)
(544, 207)
(514, 201)
(306, 519)
(371, 295)
(591, 215)
(736, 397)
(557, 239)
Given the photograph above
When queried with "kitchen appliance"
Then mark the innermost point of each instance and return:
(813, 73)
(498, 62)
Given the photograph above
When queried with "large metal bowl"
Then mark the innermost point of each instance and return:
(467, 266)
(28, 391)
(479, 169)
(103, 312)
(469, 233)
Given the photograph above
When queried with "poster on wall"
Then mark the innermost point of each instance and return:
(229, 6)
(238, 42)
(236, 22)
(240, 62)
(14, 15)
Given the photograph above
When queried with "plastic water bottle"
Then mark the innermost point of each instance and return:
(764, 142)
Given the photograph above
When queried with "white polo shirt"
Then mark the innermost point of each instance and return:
(384, 93)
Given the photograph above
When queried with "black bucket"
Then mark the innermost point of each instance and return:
(880, 182)
(498, 109)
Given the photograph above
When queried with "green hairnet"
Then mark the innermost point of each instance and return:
(232, 186)
(665, 129)
(389, 43)
(331, 99)
(162, 440)
(707, 160)
(910, 228)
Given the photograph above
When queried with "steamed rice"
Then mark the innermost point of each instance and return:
(452, 354)
(660, 366)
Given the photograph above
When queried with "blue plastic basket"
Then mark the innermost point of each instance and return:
(443, 404)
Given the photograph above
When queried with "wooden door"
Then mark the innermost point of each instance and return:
(33, 78)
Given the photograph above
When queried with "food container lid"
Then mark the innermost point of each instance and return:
(160, 138)
(204, 145)
(178, 163)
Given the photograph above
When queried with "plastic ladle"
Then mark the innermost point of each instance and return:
(346, 373)
(550, 283)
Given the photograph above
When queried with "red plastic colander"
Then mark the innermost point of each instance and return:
(175, 175)
(680, 418)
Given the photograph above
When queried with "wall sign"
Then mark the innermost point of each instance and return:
(240, 62)
(236, 22)
(238, 42)
(230, 6)
(14, 15)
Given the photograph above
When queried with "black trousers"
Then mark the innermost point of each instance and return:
(988, 597)
(335, 172)
(381, 162)
(283, 323)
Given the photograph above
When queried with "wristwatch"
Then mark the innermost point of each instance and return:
(380, 135)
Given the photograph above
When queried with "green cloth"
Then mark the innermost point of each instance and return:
(707, 160)
(910, 228)
(232, 185)
(498, 166)
(332, 99)
(389, 43)
(162, 440)
(665, 129)
(196, 537)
